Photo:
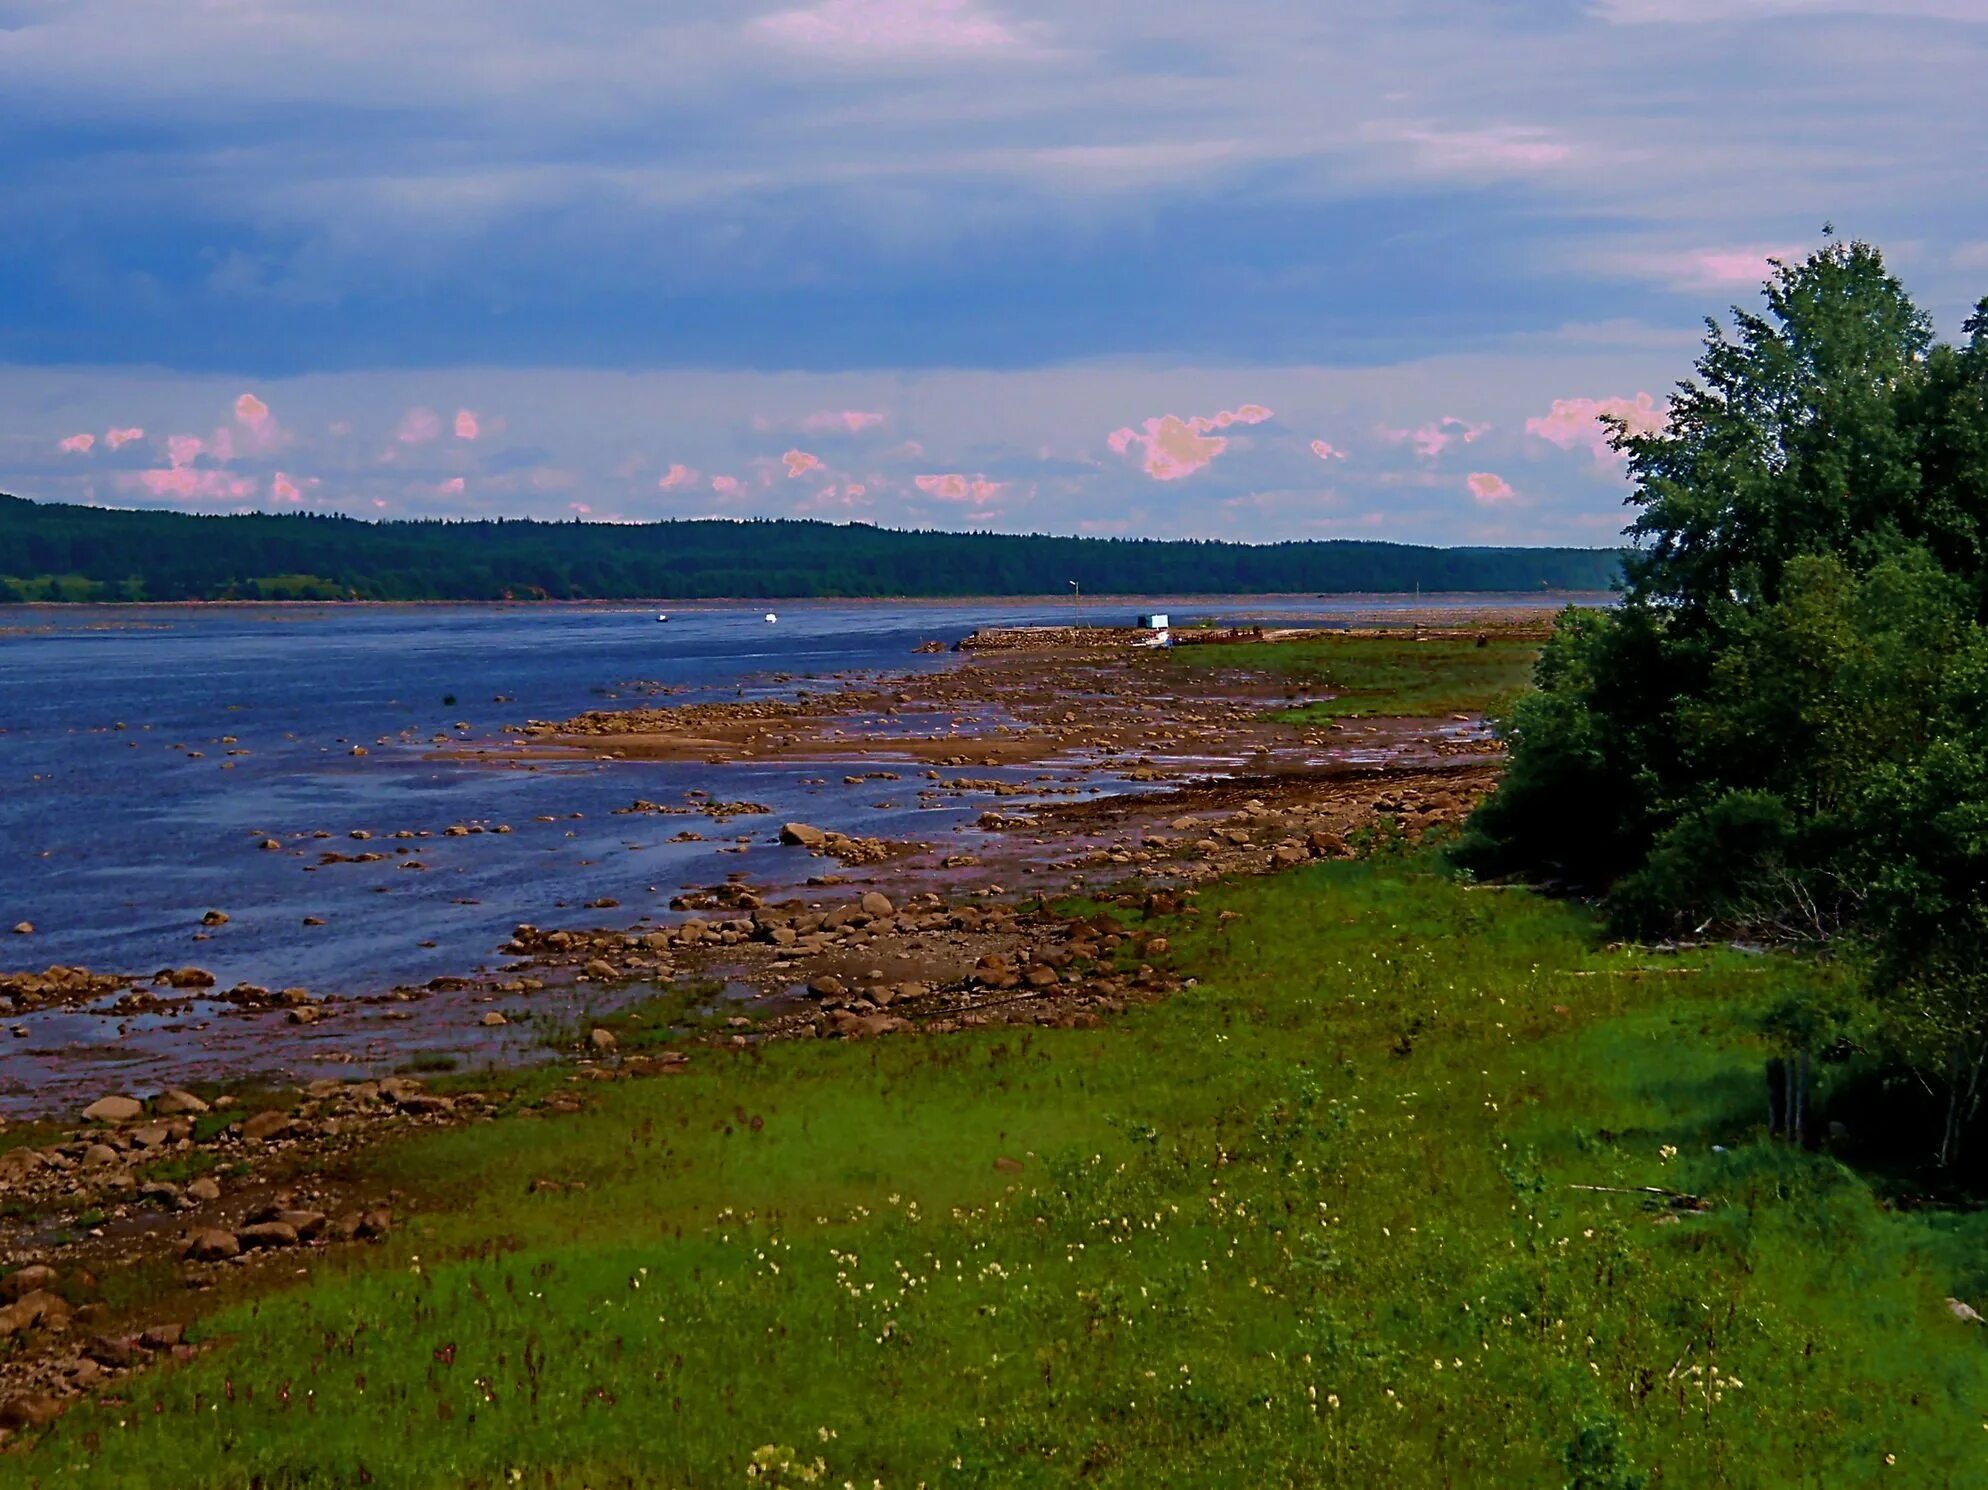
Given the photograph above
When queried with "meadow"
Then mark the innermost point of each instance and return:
(1420, 1183)
(1390, 675)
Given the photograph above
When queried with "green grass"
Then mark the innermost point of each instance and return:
(1312, 1221)
(1393, 676)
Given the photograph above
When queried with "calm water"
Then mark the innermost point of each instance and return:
(114, 841)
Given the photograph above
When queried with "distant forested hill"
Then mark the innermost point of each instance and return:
(53, 552)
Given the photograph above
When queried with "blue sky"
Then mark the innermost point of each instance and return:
(1256, 270)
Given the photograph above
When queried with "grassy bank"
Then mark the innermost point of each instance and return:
(1373, 676)
(1317, 1219)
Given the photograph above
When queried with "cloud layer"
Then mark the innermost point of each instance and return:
(999, 262)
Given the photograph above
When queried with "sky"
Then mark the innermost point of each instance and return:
(1258, 271)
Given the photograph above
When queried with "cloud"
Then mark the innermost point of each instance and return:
(283, 489)
(955, 487)
(184, 450)
(915, 28)
(467, 427)
(77, 444)
(727, 486)
(186, 483)
(1501, 150)
(1432, 439)
(799, 463)
(418, 426)
(117, 439)
(855, 421)
(1173, 447)
(1577, 422)
(1326, 450)
(1488, 488)
(251, 411)
(675, 476)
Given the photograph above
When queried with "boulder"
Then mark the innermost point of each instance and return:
(206, 1188)
(264, 1127)
(602, 1039)
(876, 903)
(267, 1234)
(33, 1278)
(176, 1103)
(114, 1110)
(801, 835)
(210, 1245)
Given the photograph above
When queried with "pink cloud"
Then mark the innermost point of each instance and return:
(251, 411)
(727, 486)
(856, 490)
(853, 420)
(857, 27)
(1486, 487)
(580, 507)
(1432, 439)
(418, 426)
(1577, 422)
(117, 439)
(340, 428)
(183, 450)
(283, 489)
(1326, 450)
(467, 427)
(222, 446)
(1172, 447)
(954, 487)
(187, 483)
(77, 444)
(453, 487)
(799, 463)
(675, 476)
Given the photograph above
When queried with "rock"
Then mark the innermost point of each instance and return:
(206, 1188)
(602, 1039)
(33, 1278)
(214, 918)
(1964, 1312)
(876, 903)
(851, 1026)
(270, 845)
(114, 1110)
(304, 1014)
(800, 835)
(31, 1410)
(1285, 855)
(210, 1245)
(264, 1127)
(827, 986)
(493, 1019)
(175, 1103)
(1008, 1166)
(37, 1308)
(99, 1154)
(163, 1336)
(114, 1351)
(24, 928)
(267, 1234)
(600, 970)
(307, 1224)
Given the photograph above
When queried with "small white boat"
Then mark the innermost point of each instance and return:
(662, 618)
(771, 618)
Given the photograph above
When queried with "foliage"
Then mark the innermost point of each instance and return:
(1782, 729)
(86, 553)
(1364, 1205)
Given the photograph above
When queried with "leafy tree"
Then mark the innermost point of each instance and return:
(1784, 727)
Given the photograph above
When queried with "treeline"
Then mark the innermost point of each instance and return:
(67, 553)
